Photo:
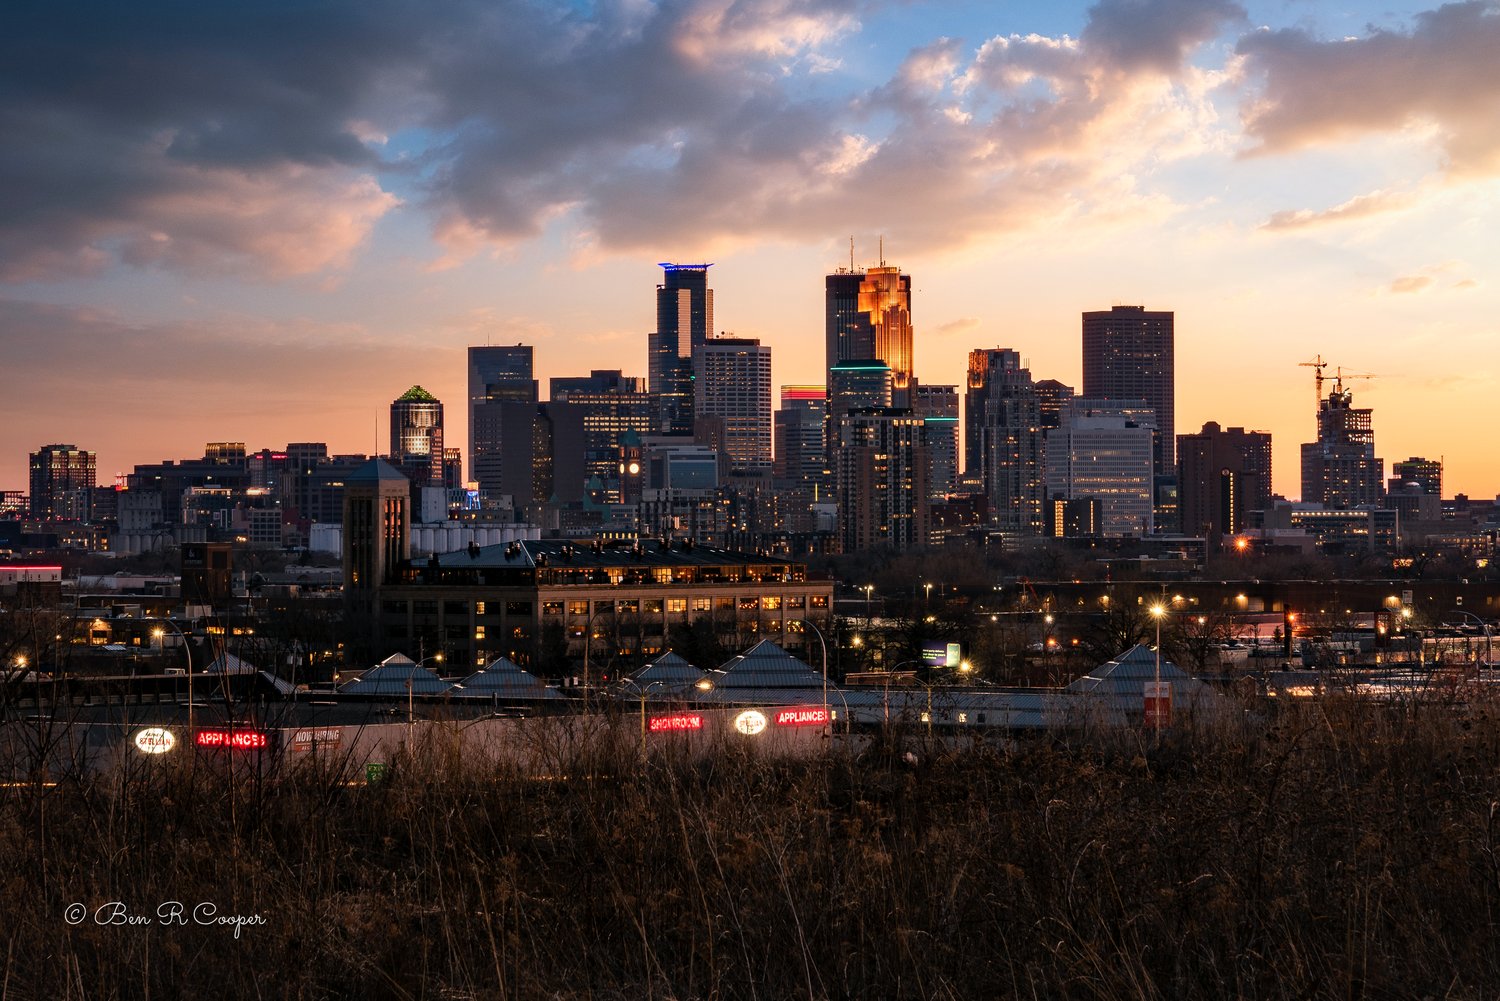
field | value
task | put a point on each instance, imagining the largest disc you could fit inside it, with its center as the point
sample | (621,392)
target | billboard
(936,653)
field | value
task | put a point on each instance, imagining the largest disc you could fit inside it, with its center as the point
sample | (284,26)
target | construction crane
(1317,365)
(1340,375)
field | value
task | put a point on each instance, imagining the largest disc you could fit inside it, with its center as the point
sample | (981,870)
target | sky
(264,222)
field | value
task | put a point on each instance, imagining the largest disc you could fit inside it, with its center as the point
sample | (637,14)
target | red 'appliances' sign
(802,717)
(677,721)
(239,740)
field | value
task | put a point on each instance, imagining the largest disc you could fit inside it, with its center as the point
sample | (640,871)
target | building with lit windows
(684,319)
(1129,354)
(546,604)
(881,465)
(610,406)
(867,316)
(417,435)
(62,476)
(1223,475)
(1104,451)
(1340,469)
(799,434)
(938,405)
(732,386)
(497,374)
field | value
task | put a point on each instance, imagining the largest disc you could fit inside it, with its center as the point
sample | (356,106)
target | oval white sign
(154,740)
(750,722)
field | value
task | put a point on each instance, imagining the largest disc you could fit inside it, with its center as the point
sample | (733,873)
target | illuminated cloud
(1410,283)
(1440,74)
(1359,207)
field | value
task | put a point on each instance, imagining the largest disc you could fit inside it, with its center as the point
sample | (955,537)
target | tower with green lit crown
(417,436)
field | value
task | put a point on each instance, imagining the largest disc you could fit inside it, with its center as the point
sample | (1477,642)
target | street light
(187,651)
(410,708)
(1158,612)
(645,690)
(868,588)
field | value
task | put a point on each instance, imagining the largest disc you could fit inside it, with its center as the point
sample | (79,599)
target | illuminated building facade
(611,405)
(417,435)
(1104,450)
(881,466)
(545,604)
(868,316)
(732,385)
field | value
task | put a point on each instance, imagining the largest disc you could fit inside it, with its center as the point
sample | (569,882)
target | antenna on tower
(882,250)
(851,253)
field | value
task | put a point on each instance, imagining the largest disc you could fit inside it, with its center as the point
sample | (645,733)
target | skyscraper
(612,405)
(417,436)
(1222,475)
(938,405)
(1425,473)
(1340,469)
(684,318)
(732,383)
(1128,354)
(868,315)
(799,432)
(497,374)
(881,466)
(1104,450)
(61,478)
(1004,418)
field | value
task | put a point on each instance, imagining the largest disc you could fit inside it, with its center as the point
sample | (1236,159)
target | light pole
(187,651)
(868,588)
(645,690)
(824,647)
(410,706)
(1158,612)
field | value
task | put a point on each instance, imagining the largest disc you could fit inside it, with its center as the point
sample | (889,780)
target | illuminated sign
(802,716)
(677,721)
(942,654)
(750,722)
(239,740)
(154,740)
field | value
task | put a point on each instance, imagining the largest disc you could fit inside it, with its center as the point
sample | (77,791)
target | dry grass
(1337,850)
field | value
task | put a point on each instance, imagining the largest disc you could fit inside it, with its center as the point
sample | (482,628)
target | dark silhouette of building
(1427,474)
(611,406)
(62,476)
(1005,430)
(497,374)
(684,319)
(1340,469)
(1128,354)
(881,464)
(1222,474)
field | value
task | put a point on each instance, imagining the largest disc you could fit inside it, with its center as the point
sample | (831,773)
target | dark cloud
(249,136)
(1443,71)
(1155,35)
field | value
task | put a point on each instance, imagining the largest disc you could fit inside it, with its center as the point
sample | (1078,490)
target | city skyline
(234,266)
